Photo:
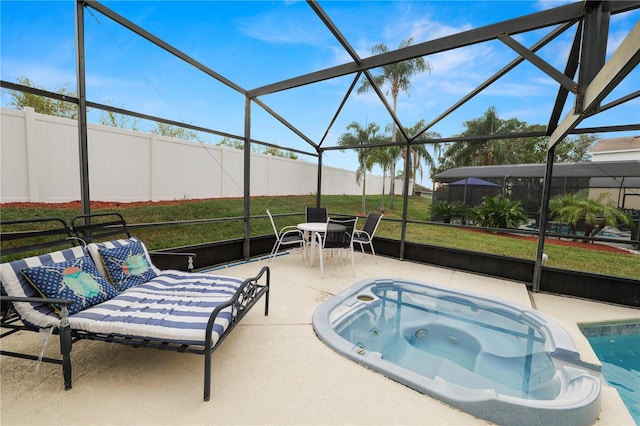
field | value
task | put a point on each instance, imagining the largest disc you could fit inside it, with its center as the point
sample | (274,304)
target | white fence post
(152,143)
(32,154)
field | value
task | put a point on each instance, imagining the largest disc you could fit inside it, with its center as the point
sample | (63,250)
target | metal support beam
(619,101)
(594,42)
(547,68)
(522,24)
(162,44)
(544,218)
(388,107)
(547,18)
(83,144)
(285,122)
(334,30)
(123,111)
(319,190)
(337,113)
(495,77)
(621,63)
(405,199)
(246,249)
(570,71)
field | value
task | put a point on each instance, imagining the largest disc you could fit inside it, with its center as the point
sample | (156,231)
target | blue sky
(254,43)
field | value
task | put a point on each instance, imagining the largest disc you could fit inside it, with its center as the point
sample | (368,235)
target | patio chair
(316,214)
(365,236)
(339,235)
(289,235)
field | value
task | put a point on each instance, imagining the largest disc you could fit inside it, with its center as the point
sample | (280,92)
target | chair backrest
(273,224)
(371,224)
(339,238)
(31,235)
(99,226)
(316,214)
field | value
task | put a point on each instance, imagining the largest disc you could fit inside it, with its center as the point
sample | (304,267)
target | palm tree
(491,150)
(397,77)
(358,135)
(477,153)
(420,153)
(385,156)
(597,214)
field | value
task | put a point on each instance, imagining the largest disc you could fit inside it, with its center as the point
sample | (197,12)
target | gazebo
(524,182)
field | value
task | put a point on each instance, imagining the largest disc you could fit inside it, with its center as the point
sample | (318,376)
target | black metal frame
(596,80)
(248,294)
(100,226)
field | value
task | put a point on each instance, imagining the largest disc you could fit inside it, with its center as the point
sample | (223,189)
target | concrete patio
(271,370)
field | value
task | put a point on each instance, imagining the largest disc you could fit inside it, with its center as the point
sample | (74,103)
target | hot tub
(491,358)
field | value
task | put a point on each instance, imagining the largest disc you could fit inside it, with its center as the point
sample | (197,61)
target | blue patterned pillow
(76,279)
(126,266)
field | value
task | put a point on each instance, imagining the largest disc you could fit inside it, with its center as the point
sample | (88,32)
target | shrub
(499,212)
(446,210)
(596,213)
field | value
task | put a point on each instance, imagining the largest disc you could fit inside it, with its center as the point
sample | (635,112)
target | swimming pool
(617,346)
(491,358)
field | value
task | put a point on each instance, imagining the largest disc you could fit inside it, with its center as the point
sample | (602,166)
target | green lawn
(573,258)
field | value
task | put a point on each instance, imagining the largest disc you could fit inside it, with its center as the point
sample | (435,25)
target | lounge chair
(111,291)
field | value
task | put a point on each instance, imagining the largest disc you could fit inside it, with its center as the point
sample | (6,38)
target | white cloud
(454,61)
(282,28)
(531,88)
(41,74)
(427,29)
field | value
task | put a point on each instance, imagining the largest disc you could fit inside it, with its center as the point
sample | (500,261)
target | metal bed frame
(32,236)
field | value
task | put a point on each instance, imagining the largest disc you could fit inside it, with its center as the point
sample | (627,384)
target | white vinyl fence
(40,163)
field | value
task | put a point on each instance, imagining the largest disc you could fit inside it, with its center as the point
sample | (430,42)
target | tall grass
(583,258)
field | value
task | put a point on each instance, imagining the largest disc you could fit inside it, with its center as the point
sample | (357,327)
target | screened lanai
(588,82)
(524,182)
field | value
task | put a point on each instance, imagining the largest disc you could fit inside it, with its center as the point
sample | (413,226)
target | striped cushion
(40,315)
(173,307)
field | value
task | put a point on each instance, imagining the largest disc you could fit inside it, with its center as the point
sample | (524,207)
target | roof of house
(629,168)
(617,144)
(420,188)
(603,174)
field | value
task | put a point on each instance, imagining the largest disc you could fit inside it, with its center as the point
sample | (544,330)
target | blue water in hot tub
(489,357)
(459,341)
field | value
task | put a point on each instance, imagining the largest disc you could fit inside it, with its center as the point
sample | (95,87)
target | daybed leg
(266,303)
(266,294)
(65,350)
(207,373)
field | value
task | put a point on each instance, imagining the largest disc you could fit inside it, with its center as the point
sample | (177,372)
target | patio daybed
(111,291)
